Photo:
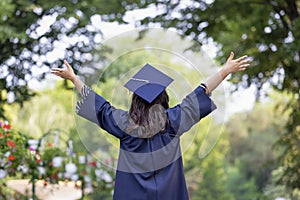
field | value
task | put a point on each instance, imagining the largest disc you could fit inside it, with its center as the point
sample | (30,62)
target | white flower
(81,159)
(3,173)
(98,172)
(33,143)
(98,164)
(2,162)
(106,177)
(23,168)
(70,168)
(7,154)
(42,170)
(67,175)
(87,179)
(89,188)
(103,175)
(60,175)
(57,161)
(74,177)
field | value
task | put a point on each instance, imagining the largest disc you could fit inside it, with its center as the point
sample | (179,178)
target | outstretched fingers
(239,64)
(58,71)
(67,64)
(55,69)
(243,65)
(66,73)
(241,58)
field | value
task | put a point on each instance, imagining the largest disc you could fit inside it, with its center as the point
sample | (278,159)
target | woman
(150,164)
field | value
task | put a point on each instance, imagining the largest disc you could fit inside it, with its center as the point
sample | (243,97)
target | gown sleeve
(191,110)
(95,108)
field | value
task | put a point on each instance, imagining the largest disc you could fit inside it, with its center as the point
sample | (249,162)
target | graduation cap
(148,83)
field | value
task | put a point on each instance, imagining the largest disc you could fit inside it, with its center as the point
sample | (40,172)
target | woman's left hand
(239,64)
(66,73)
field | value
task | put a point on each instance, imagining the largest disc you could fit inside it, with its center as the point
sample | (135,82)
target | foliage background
(259,153)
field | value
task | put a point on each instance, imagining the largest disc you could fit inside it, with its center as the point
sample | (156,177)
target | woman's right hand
(66,73)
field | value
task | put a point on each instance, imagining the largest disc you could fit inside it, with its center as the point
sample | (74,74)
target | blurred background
(257,150)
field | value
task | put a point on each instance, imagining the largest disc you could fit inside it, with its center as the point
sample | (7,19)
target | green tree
(207,177)
(252,156)
(30,32)
(242,187)
(46,111)
(268,31)
(274,190)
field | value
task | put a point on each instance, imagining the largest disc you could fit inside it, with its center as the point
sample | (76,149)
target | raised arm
(198,104)
(94,107)
(230,66)
(68,73)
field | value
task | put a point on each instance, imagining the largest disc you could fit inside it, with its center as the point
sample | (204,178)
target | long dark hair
(147,119)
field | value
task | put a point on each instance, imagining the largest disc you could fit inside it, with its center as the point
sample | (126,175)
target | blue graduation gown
(148,168)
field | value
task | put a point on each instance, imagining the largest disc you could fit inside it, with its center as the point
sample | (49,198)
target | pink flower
(31,148)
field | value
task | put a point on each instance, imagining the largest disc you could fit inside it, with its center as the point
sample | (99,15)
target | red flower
(83,173)
(11,157)
(10,143)
(6,126)
(93,163)
(1,135)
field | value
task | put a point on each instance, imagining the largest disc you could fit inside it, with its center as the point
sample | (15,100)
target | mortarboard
(148,83)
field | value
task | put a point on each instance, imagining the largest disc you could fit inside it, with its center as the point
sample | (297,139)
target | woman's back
(148,168)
